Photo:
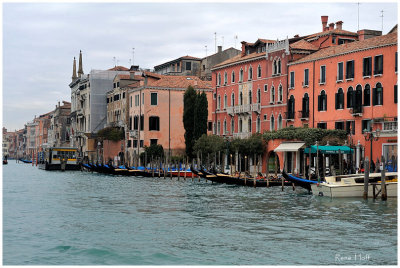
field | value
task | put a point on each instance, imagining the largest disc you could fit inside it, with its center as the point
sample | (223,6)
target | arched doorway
(271,163)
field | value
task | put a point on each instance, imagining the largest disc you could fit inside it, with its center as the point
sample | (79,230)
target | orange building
(156,112)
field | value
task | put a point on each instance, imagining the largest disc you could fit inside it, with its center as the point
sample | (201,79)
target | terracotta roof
(177,60)
(266,40)
(119,68)
(134,84)
(389,39)
(334,31)
(172,81)
(303,45)
(124,76)
(239,58)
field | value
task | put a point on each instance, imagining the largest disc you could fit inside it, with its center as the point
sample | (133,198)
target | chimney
(339,25)
(243,48)
(219,49)
(331,26)
(324,20)
(296,35)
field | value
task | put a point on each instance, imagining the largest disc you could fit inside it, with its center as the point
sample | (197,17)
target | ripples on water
(69,218)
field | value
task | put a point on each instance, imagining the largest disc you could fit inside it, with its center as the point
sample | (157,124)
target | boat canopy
(328,149)
(289,147)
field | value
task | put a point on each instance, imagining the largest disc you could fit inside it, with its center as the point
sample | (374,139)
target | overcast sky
(40,40)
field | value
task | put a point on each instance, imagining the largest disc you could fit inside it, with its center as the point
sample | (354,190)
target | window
(378,65)
(249,125)
(232,125)
(357,100)
(108,100)
(154,98)
(233,76)
(272,123)
(322,101)
(333,39)
(280,93)
(279,66)
(154,123)
(250,97)
(367,95)
(233,99)
(351,127)
(250,73)
(367,66)
(305,77)
(219,102)
(117,84)
(134,143)
(272,97)
(141,122)
(279,121)
(130,101)
(340,72)
(153,141)
(321,125)
(142,98)
(290,108)
(137,100)
(350,97)
(225,101)
(225,127)
(209,126)
(225,78)
(350,69)
(395,62)
(258,95)
(305,106)
(366,125)
(135,122)
(258,125)
(129,143)
(339,125)
(265,88)
(241,98)
(219,79)
(322,75)
(219,128)
(265,117)
(188,66)
(339,99)
(395,94)
(130,122)
(275,67)
(240,125)
(292,79)
(141,143)
(241,75)
(259,71)
(377,95)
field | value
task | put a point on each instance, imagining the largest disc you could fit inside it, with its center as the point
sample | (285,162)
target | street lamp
(369,136)
(98,151)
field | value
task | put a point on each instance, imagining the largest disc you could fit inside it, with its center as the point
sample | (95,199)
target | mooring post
(191,171)
(179,170)
(340,163)
(152,166)
(366,177)
(159,167)
(186,163)
(383,179)
(170,168)
(164,167)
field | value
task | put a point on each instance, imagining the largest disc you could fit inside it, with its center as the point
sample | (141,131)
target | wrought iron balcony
(356,111)
(304,115)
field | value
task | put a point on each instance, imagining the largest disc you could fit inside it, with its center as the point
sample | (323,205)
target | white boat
(353,185)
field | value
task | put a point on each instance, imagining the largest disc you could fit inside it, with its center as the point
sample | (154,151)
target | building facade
(186,65)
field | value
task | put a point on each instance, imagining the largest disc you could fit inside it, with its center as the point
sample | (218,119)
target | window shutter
(369,66)
(319,102)
(336,101)
(374,96)
(382,67)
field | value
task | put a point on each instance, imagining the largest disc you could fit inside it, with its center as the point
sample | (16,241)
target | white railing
(256,107)
(240,109)
(389,126)
(241,135)
(229,110)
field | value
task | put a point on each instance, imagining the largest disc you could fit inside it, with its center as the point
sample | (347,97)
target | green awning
(329,149)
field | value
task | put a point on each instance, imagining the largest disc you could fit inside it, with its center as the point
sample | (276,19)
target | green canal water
(80,218)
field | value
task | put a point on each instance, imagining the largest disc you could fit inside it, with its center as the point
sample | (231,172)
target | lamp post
(98,152)
(369,136)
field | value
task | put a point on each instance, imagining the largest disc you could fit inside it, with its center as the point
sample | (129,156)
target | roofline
(238,62)
(341,54)
(178,59)
(166,88)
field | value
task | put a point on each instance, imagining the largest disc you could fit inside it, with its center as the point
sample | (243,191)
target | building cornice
(166,88)
(262,56)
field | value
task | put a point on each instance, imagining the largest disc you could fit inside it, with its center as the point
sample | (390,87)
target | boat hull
(335,191)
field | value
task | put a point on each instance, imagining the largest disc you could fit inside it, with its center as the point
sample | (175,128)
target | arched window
(225,101)
(232,125)
(305,106)
(258,124)
(377,95)
(272,97)
(290,106)
(225,127)
(322,101)
(279,122)
(272,123)
(249,124)
(219,102)
(233,99)
(275,67)
(250,73)
(241,98)
(280,93)
(279,66)
(233,76)
(259,71)
(219,128)
(350,97)
(241,75)
(357,105)
(240,125)
(258,95)
(367,95)
(225,78)
(339,99)
(219,79)
(250,97)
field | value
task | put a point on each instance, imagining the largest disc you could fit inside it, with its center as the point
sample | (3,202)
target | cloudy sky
(40,40)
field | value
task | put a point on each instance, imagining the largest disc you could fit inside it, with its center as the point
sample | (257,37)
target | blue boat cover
(300,179)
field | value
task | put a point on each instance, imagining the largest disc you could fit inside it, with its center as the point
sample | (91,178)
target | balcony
(356,111)
(229,110)
(389,126)
(256,107)
(241,109)
(133,134)
(304,115)
(289,116)
(241,135)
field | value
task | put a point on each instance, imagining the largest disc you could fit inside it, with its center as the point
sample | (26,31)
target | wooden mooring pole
(366,178)
(383,179)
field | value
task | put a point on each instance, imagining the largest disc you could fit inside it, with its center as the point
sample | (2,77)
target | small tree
(189,102)
(209,144)
(111,133)
(200,115)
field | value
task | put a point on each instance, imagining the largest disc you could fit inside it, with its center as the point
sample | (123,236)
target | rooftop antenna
(382,19)
(236,38)
(115,61)
(130,62)
(133,56)
(206,50)
(215,37)
(358,16)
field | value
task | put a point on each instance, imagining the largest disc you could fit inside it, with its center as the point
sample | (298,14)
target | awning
(289,147)
(329,149)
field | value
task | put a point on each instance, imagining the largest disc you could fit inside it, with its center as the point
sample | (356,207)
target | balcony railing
(389,126)
(356,111)
(242,135)
(256,107)
(229,110)
(240,109)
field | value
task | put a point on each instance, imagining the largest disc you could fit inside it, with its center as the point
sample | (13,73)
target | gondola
(304,183)
(25,161)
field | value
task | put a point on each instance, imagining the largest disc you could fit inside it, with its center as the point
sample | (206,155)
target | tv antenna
(382,19)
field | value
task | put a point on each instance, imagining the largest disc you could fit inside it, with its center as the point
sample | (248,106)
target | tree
(189,102)
(200,115)
(154,150)
(111,133)
(209,144)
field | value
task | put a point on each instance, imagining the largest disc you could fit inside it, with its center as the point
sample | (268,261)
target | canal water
(82,218)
